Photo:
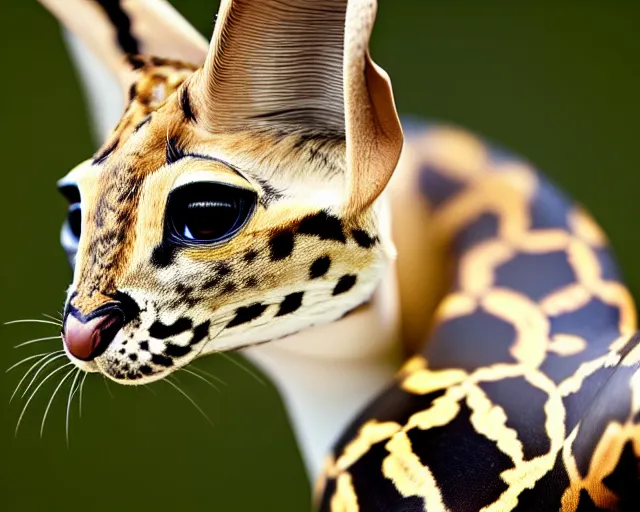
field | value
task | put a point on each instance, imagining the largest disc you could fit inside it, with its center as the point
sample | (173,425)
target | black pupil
(208,212)
(74,217)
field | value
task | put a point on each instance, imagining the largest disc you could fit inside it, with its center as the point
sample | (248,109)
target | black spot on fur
(144,345)
(223,269)
(183,289)
(251,282)
(100,158)
(133,91)
(161,331)
(146,370)
(281,245)
(161,360)
(324,226)
(133,357)
(246,314)
(121,351)
(185,105)
(362,238)
(291,303)
(228,288)
(173,350)
(250,256)
(121,22)
(320,267)
(163,255)
(200,332)
(345,284)
(211,283)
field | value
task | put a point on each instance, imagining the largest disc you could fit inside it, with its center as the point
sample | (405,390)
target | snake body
(526,395)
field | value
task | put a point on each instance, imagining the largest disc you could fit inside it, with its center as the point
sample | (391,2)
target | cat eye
(74,218)
(74,213)
(207,212)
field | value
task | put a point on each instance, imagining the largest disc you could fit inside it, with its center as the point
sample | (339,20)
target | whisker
(24,409)
(202,379)
(53,395)
(72,393)
(205,372)
(27,359)
(80,397)
(42,367)
(243,367)
(38,340)
(106,385)
(26,374)
(57,320)
(179,390)
(149,389)
(33,321)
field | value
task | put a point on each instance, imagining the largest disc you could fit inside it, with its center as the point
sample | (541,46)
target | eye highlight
(207,212)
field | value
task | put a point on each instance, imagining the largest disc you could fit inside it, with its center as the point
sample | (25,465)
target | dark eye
(74,218)
(207,212)
(74,214)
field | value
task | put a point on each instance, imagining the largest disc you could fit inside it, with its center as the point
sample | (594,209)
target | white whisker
(33,321)
(26,374)
(150,390)
(38,340)
(57,320)
(106,385)
(42,367)
(202,379)
(27,359)
(72,393)
(177,388)
(53,395)
(205,372)
(80,397)
(24,409)
(243,367)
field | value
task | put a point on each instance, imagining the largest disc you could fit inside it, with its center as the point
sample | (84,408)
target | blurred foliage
(556,83)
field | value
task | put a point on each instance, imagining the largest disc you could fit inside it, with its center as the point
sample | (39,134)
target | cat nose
(86,340)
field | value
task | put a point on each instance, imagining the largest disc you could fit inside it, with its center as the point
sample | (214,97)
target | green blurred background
(557,83)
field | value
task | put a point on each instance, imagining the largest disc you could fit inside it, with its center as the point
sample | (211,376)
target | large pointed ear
(303,67)
(113,29)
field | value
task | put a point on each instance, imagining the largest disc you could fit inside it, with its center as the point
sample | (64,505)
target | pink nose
(87,340)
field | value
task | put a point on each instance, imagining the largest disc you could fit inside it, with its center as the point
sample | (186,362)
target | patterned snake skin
(527,395)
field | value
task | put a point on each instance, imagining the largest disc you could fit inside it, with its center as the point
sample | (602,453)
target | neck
(327,373)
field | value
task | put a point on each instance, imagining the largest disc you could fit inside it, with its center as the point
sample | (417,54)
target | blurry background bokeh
(556,82)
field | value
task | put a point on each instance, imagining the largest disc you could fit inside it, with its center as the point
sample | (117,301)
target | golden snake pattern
(527,394)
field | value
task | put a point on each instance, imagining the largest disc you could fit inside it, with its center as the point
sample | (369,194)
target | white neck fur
(328,373)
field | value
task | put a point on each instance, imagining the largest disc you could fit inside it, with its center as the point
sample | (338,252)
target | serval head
(236,201)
